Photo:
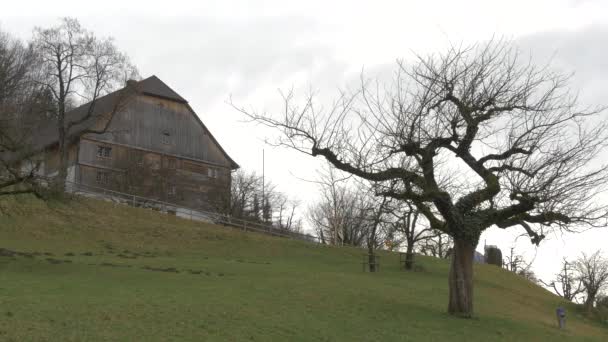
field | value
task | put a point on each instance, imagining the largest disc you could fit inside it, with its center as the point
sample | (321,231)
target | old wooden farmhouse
(155,146)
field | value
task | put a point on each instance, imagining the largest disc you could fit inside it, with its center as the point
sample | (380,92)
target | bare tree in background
(77,68)
(286,214)
(244,188)
(509,132)
(22,105)
(518,264)
(566,284)
(439,245)
(376,210)
(251,200)
(339,216)
(413,229)
(592,271)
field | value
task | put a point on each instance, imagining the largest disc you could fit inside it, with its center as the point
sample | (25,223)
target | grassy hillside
(94,271)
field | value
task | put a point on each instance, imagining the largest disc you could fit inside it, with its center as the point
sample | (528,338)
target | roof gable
(46,133)
(153,86)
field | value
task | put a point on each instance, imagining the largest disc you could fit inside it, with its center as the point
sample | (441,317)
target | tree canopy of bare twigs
(342,215)
(76,68)
(251,199)
(438,245)
(518,264)
(592,272)
(408,223)
(22,104)
(566,283)
(475,137)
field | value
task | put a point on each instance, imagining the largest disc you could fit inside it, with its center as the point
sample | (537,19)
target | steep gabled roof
(46,134)
(153,86)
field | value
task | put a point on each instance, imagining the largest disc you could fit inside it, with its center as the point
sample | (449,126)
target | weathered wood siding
(155,175)
(166,126)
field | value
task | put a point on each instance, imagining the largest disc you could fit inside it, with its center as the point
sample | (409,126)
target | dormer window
(166,138)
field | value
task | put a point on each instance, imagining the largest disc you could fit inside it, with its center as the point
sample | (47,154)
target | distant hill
(93,271)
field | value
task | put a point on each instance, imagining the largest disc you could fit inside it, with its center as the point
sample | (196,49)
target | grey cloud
(582,52)
(217,57)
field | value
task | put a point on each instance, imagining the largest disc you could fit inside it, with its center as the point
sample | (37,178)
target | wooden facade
(155,147)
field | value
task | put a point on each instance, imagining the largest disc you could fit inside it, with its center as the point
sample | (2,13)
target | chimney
(131,83)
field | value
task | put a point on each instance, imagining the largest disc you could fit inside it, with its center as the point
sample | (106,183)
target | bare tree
(566,284)
(253,200)
(510,133)
(414,230)
(592,271)
(244,188)
(516,263)
(439,245)
(375,211)
(22,106)
(340,216)
(78,68)
(286,214)
(350,213)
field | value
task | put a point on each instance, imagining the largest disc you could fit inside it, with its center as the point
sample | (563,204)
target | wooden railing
(185,212)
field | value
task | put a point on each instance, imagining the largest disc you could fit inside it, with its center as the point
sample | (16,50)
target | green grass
(234,286)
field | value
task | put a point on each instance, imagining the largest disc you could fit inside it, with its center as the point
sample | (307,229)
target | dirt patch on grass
(160,269)
(58,261)
(253,262)
(109,264)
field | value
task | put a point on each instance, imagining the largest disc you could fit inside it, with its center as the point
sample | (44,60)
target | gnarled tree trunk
(461,279)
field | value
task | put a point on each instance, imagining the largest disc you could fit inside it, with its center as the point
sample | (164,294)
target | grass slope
(94,271)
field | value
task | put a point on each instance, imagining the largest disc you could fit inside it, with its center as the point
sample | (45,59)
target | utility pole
(263,188)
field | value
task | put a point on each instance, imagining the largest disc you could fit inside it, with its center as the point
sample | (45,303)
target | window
(213,172)
(165,138)
(171,163)
(104,151)
(103,177)
(171,190)
(139,159)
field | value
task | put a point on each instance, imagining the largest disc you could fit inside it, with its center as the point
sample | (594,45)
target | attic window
(165,138)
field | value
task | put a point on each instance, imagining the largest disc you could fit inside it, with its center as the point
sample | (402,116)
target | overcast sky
(210,50)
